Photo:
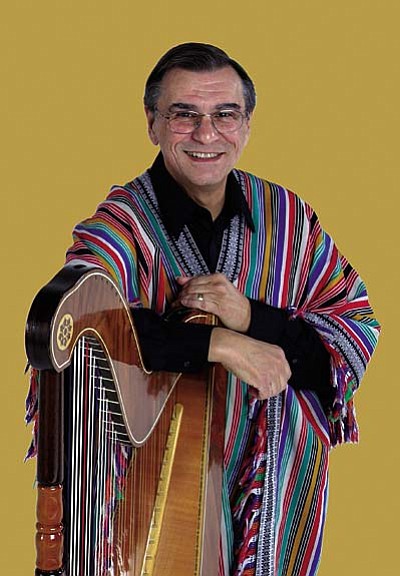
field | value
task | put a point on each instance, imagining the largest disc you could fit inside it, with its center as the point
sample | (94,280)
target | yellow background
(326,125)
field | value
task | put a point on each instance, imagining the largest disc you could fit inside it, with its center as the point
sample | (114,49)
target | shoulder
(272,195)
(134,199)
(132,191)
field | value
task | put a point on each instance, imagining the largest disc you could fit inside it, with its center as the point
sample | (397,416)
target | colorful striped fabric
(278,496)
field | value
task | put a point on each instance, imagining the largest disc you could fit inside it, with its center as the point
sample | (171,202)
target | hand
(261,365)
(220,297)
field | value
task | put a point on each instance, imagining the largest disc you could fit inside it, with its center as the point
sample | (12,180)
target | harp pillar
(49,510)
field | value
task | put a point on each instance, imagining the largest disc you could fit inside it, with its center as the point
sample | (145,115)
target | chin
(208,174)
(207,181)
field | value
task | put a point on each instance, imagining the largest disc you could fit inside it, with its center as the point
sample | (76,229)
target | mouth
(203,156)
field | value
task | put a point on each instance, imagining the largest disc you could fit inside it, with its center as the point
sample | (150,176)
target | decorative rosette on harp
(65,331)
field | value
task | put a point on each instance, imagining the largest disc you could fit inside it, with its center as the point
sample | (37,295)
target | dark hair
(199,57)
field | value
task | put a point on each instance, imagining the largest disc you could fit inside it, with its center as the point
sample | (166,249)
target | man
(296,328)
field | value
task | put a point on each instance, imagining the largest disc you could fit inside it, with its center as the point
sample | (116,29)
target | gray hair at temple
(196,57)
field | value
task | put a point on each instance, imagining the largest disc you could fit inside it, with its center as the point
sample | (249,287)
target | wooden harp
(98,407)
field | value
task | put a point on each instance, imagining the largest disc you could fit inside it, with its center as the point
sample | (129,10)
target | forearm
(261,365)
(171,346)
(307,356)
(178,347)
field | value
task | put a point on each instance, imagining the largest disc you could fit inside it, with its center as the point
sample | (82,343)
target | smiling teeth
(203,154)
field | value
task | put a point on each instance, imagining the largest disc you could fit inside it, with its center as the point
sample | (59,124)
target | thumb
(182,280)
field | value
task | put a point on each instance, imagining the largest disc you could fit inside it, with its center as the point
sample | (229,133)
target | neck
(209,196)
(212,199)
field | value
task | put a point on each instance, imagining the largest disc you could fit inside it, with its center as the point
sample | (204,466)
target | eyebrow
(185,106)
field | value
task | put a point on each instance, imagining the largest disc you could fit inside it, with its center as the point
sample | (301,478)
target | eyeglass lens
(224,121)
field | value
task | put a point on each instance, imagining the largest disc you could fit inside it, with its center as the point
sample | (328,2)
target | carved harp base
(39,572)
(49,531)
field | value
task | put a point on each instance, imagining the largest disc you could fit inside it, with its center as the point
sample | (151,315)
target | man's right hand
(261,365)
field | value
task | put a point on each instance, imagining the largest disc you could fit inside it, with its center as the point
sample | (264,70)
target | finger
(201,295)
(192,291)
(205,285)
(196,282)
(182,280)
(206,279)
(201,301)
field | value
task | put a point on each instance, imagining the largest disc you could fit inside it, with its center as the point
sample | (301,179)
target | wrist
(219,344)
(241,319)
(247,318)
(225,346)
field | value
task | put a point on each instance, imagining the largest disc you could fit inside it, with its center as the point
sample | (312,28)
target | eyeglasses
(187,121)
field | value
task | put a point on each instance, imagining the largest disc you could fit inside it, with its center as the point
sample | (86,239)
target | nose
(205,131)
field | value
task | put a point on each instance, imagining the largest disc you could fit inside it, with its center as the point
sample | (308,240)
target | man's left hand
(217,295)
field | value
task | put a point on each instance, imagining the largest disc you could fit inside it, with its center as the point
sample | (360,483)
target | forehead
(208,88)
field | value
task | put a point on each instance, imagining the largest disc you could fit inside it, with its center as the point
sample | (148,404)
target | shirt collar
(171,195)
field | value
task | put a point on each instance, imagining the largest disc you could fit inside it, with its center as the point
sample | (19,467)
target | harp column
(49,529)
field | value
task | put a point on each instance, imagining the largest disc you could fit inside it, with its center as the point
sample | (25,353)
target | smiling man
(201,124)
(296,329)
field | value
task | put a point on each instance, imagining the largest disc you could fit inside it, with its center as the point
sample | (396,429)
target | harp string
(91,471)
(110,486)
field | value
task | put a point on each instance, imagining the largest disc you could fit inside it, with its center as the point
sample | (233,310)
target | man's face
(199,161)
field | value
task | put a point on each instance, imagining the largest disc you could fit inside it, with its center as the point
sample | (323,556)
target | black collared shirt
(178,209)
(178,347)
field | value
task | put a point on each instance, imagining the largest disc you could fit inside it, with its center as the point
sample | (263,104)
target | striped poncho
(273,523)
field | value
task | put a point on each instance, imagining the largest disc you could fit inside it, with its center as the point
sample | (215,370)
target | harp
(129,463)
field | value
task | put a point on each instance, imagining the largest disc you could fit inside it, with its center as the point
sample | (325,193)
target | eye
(226,114)
(185,114)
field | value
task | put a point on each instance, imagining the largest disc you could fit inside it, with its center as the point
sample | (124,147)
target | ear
(247,122)
(248,119)
(150,125)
